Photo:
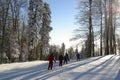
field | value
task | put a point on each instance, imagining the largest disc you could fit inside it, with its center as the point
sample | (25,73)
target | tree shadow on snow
(14,73)
(64,69)
(118,76)
(98,69)
(41,72)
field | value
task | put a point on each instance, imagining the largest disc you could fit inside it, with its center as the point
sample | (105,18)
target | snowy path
(97,68)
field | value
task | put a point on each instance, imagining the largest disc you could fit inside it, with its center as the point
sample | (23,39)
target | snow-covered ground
(96,68)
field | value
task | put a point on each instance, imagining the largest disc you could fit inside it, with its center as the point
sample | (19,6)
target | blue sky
(63,20)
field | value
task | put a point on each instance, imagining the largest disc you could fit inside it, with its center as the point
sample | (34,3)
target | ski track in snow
(96,68)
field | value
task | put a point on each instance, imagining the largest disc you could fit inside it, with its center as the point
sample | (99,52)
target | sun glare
(118,10)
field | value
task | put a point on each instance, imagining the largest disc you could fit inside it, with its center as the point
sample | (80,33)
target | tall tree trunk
(15,8)
(111,27)
(92,36)
(101,28)
(106,30)
(5,15)
(114,37)
(90,29)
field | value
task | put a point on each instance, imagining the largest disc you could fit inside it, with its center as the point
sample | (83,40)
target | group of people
(62,60)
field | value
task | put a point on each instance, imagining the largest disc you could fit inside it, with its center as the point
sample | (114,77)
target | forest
(25,28)
(99,27)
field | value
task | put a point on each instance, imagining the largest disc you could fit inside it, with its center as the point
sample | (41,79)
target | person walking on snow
(78,56)
(65,58)
(51,59)
(60,60)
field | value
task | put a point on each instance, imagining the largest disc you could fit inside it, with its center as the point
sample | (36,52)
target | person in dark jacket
(51,59)
(60,60)
(65,58)
(78,56)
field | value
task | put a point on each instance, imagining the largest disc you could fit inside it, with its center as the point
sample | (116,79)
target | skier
(51,59)
(78,56)
(60,60)
(65,58)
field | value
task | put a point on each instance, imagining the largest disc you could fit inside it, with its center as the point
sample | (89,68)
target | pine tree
(62,51)
(45,29)
(35,11)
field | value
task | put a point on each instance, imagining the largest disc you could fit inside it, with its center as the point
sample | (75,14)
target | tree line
(24,30)
(98,30)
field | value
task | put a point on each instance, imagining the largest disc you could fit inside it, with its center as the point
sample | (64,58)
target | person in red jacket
(51,59)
